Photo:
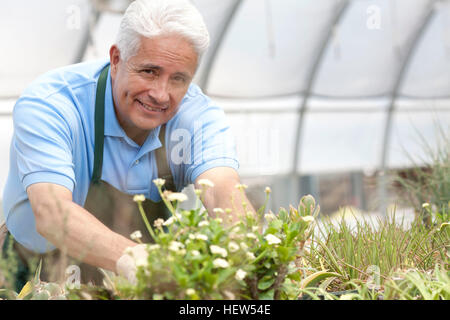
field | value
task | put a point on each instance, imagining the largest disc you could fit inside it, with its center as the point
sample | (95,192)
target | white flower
(271,239)
(240,274)
(250,255)
(203,223)
(198,192)
(159,182)
(244,246)
(308,218)
(195,253)
(251,235)
(169,221)
(205,183)
(139,198)
(255,228)
(218,250)
(175,246)
(141,262)
(425,205)
(219,220)
(190,292)
(136,235)
(218,210)
(269,217)
(235,229)
(158,223)
(233,246)
(191,236)
(250,214)
(221,263)
(200,236)
(154,247)
(177,196)
(268,190)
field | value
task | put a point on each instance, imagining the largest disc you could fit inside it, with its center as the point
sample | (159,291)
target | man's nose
(160,92)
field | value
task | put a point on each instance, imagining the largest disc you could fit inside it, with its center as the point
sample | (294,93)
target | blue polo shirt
(53,142)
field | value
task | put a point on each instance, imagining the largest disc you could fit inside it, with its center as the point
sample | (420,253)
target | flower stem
(147,224)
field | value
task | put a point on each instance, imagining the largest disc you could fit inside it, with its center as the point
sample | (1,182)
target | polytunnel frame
(303,108)
(429,15)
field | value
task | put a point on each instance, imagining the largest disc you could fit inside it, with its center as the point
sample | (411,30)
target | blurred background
(327,97)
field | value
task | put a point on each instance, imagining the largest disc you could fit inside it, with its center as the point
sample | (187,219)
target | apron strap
(99,125)
(162,164)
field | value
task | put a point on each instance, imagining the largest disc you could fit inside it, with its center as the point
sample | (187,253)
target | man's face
(148,88)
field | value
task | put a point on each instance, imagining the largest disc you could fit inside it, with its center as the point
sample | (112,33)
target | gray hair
(152,18)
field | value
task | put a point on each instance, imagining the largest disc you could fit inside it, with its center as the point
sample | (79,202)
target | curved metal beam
(209,60)
(87,37)
(428,17)
(311,79)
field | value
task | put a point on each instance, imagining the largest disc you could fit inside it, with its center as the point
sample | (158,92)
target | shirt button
(136,162)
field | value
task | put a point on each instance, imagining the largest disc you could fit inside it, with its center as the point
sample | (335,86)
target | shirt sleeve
(43,141)
(201,140)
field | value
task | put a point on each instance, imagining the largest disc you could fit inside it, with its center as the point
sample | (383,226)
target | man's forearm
(77,232)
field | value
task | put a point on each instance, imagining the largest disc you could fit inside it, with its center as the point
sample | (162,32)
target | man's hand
(133,257)
(224,194)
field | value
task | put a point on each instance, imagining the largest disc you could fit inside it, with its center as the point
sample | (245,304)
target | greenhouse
(340,117)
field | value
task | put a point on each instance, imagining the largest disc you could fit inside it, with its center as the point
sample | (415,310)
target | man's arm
(224,194)
(70,227)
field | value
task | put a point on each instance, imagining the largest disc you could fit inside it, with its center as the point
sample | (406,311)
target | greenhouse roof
(309,86)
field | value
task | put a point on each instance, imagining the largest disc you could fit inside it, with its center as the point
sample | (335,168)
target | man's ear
(114,58)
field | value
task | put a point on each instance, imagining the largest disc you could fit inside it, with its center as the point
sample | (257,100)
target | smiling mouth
(147,107)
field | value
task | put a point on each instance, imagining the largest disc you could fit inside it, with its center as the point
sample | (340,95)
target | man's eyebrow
(150,66)
(156,67)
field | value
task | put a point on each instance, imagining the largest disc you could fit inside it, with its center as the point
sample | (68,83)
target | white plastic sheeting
(317,75)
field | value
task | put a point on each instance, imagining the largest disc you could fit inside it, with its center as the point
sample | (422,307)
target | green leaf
(26,290)
(307,205)
(317,277)
(285,253)
(283,214)
(267,295)
(265,283)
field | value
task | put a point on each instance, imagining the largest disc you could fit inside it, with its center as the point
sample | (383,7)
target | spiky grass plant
(373,252)
(429,183)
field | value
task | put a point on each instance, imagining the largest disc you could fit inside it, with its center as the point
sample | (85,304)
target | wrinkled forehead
(166,52)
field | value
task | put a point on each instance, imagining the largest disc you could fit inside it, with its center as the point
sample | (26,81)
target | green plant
(419,285)
(202,257)
(36,289)
(429,183)
(370,252)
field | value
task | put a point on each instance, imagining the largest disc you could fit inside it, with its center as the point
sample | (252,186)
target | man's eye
(179,79)
(149,71)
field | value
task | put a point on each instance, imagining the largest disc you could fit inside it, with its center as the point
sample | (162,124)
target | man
(87,135)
